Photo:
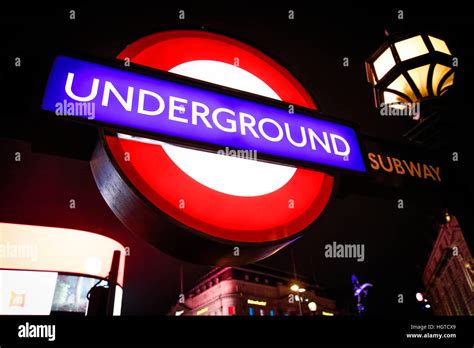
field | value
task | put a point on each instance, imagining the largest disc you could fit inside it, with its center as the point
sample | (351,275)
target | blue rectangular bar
(121,98)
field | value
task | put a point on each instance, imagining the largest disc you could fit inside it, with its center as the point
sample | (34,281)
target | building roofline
(261,270)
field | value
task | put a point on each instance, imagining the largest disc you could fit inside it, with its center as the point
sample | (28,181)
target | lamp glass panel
(394,100)
(449,81)
(420,77)
(439,45)
(401,85)
(410,48)
(384,63)
(438,73)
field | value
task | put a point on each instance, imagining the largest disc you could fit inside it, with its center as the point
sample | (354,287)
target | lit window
(246,277)
(262,312)
(251,311)
(272,313)
(257,279)
(266,281)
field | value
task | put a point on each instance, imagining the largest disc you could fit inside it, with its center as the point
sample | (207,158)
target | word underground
(223,119)
(163,107)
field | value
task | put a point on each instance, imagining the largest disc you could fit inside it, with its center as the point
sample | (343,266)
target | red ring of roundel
(269,217)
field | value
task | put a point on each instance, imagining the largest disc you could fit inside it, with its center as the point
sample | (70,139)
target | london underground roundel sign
(200,206)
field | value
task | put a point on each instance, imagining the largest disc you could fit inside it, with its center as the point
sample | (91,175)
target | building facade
(449,274)
(253,291)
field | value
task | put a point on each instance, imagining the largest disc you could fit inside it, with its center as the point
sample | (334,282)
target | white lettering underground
(223,119)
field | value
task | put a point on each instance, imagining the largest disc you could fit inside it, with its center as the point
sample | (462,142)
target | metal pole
(299,302)
(113,275)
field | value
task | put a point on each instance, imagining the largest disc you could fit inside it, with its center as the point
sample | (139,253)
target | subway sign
(414,169)
(170,108)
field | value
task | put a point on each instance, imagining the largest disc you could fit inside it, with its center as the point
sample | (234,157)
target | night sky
(55,166)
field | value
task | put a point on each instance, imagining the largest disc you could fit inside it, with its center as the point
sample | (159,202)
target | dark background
(55,168)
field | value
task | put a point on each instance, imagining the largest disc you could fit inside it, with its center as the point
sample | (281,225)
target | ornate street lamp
(407,70)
